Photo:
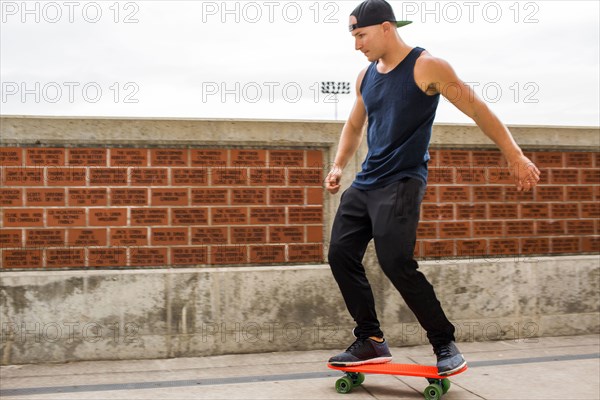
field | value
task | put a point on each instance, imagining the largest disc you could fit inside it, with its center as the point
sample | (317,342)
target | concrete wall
(91,314)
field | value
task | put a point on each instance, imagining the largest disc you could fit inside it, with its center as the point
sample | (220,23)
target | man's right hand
(332,181)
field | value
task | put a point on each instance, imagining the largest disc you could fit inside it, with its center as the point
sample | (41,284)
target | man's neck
(397,52)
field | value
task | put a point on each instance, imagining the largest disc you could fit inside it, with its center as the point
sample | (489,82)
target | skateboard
(355,376)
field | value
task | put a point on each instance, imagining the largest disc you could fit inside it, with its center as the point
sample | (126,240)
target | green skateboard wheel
(433,392)
(343,385)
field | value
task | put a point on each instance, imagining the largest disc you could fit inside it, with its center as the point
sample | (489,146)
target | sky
(533,62)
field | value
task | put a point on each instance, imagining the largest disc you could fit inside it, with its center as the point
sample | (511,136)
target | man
(398,93)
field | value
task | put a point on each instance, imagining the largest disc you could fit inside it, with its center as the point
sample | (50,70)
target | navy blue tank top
(400,118)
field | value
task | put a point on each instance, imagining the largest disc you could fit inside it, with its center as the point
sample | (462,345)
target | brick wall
(150,207)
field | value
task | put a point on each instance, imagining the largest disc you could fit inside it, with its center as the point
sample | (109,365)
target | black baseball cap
(374,12)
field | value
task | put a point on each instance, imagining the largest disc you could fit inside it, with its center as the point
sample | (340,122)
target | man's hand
(525,173)
(332,182)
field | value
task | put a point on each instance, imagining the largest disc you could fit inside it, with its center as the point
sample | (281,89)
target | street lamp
(335,88)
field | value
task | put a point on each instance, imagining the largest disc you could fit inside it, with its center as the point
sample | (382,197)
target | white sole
(453,370)
(379,360)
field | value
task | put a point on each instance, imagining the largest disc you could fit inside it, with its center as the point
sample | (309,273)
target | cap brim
(402,23)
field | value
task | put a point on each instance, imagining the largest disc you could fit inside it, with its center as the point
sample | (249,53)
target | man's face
(368,39)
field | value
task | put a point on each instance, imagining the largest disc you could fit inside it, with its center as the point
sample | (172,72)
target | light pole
(335,88)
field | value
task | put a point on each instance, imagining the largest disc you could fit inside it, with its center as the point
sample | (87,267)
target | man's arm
(440,77)
(350,139)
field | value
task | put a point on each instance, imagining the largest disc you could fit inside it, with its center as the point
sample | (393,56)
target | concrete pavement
(537,368)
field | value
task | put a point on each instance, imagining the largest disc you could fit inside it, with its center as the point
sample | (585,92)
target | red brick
(169,157)
(88,197)
(447,158)
(471,211)
(298,253)
(129,157)
(590,210)
(170,197)
(286,196)
(535,245)
(305,177)
(229,255)
(519,228)
(169,236)
(149,177)
(286,158)
(511,194)
(45,237)
(590,244)
(503,211)
(23,217)
(120,237)
(590,176)
(314,159)
(454,230)
(65,258)
(11,156)
(427,230)
(565,245)
(66,176)
(564,210)
(596,190)
(229,176)
(441,176)
(189,216)
(189,176)
(19,176)
(487,193)
(450,194)
(208,235)
(534,210)
(108,217)
(229,216)
(248,234)
(85,157)
(44,156)
(129,197)
(504,246)
(437,212)
(286,234)
(470,175)
(433,157)
(108,176)
(148,257)
(305,215)
(267,216)
(107,257)
(86,237)
(249,158)
(431,194)
(314,234)
(438,248)
(544,159)
(550,228)
(471,248)
(189,255)
(267,254)
(485,158)
(314,196)
(500,176)
(569,176)
(208,158)
(550,193)
(210,197)
(579,193)
(580,227)
(11,197)
(488,228)
(149,216)
(267,176)
(248,196)
(579,160)
(10,238)
(22,258)
(66,217)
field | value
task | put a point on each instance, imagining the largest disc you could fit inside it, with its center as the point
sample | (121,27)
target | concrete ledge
(58,316)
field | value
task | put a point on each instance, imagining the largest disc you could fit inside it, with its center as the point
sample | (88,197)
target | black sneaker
(449,359)
(363,351)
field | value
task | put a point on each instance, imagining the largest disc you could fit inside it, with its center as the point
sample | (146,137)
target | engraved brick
(487,228)
(267,254)
(535,210)
(149,216)
(65,258)
(314,159)
(66,217)
(189,216)
(19,176)
(129,197)
(550,228)
(248,235)
(431,194)
(550,193)
(286,234)
(169,157)
(548,159)
(107,257)
(453,194)
(590,244)
(431,212)
(229,216)
(44,156)
(519,228)
(86,237)
(454,230)
(209,197)
(562,176)
(11,197)
(23,217)
(441,175)
(208,158)
(499,176)
(581,227)
(286,158)
(11,156)
(579,160)
(298,253)
(88,157)
(170,197)
(248,196)
(229,255)
(10,238)
(487,193)
(579,193)
(471,248)
(169,236)
(564,210)
(596,157)
(88,197)
(564,245)
(471,211)
(590,210)
(44,237)
(189,176)
(470,175)
(511,194)
(128,237)
(209,235)
(305,177)
(22,258)
(305,215)
(248,158)
(108,217)
(491,158)
(108,176)
(454,158)
(427,230)
(286,196)
(267,216)
(267,176)
(149,177)
(129,157)
(314,196)
(189,255)
(314,234)
(590,176)
(504,246)
(148,257)
(438,248)
(503,211)
(66,176)
(229,176)
(535,245)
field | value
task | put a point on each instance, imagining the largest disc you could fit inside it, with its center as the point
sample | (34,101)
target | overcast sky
(535,62)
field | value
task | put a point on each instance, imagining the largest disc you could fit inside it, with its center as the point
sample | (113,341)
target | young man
(398,94)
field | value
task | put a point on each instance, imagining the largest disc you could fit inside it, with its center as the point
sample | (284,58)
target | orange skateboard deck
(354,376)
